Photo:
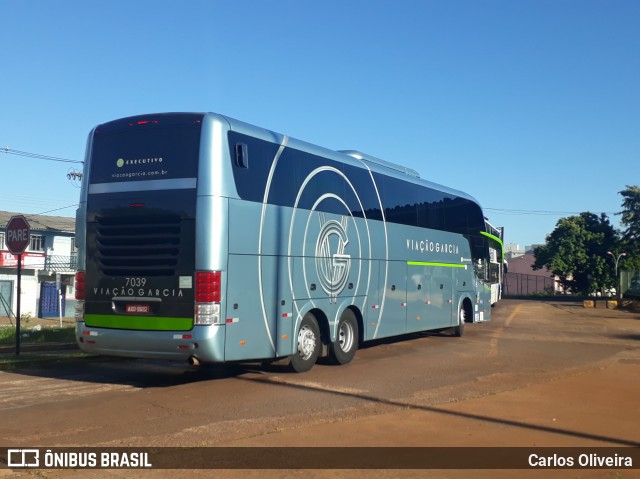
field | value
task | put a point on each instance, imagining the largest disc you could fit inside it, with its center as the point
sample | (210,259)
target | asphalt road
(539,374)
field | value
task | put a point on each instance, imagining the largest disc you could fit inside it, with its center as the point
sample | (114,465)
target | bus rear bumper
(206,343)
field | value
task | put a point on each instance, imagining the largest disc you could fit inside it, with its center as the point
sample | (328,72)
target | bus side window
(242,155)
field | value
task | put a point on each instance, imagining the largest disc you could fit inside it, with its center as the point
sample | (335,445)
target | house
(522,279)
(48,268)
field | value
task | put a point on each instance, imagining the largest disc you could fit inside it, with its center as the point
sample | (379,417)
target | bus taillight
(208,285)
(80,284)
(207,294)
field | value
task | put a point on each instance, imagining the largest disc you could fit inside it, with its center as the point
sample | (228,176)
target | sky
(531,107)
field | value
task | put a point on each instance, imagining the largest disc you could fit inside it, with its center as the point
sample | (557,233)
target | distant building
(48,268)
(523,264)
(522,279)
(513,250)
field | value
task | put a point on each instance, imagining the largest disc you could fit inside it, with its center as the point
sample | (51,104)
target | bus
(206,239)
(497,265)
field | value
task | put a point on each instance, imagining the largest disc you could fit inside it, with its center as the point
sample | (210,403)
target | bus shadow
(635,337)
(137,373)
(437,333)
(148,373)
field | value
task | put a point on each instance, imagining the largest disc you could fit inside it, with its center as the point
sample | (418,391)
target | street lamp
(616,258)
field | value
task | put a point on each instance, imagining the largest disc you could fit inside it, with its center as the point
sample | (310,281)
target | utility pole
(616,258)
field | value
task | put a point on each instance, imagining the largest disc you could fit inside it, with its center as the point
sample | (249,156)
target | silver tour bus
(205,239)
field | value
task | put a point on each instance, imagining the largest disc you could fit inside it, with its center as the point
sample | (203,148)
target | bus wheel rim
(345,337)
(306,342)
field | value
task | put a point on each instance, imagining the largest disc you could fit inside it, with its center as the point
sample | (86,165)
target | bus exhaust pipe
(194,361)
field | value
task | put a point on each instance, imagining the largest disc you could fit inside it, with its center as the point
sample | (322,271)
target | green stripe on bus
(494,238)
(427,263)
(140,323)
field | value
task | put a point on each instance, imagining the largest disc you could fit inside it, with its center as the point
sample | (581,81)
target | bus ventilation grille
(138,246)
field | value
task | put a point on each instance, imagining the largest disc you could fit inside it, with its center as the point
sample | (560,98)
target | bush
(66,334)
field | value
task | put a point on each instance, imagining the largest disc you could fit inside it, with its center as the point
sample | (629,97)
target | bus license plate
(138,308)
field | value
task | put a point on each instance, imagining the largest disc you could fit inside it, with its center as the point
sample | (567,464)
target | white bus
(497,262)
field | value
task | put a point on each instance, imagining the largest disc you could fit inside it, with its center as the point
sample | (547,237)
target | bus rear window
(146,148)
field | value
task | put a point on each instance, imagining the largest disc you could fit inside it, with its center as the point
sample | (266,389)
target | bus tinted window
(430,211)
(364,204)
(302,178)
(314,178)
(251,181)
(400,200)
(149,148)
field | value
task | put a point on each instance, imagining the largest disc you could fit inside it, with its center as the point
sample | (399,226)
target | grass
(65,334)
(10,361)
(56,335)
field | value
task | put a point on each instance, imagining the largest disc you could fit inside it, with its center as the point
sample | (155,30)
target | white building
(48,268)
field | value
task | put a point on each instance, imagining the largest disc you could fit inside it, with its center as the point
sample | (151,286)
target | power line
(75,205)
(75,175)
(31,218)
(37,156)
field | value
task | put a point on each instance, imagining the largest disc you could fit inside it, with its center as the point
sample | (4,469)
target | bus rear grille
(138,246)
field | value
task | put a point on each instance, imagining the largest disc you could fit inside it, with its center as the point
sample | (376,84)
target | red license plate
(138,308)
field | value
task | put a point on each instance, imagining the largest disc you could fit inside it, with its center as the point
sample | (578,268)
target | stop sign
(18,234)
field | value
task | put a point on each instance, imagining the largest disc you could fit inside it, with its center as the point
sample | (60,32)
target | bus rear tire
(307,346)
(343,349)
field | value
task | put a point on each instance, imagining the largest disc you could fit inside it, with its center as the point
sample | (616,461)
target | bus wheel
(458,331)
(307,345)
(344,348)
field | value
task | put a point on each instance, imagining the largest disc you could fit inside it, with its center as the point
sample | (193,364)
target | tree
(576,252)
(631,220)
(631,213)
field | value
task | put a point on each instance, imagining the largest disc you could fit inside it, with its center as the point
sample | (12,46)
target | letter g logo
(331,263)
